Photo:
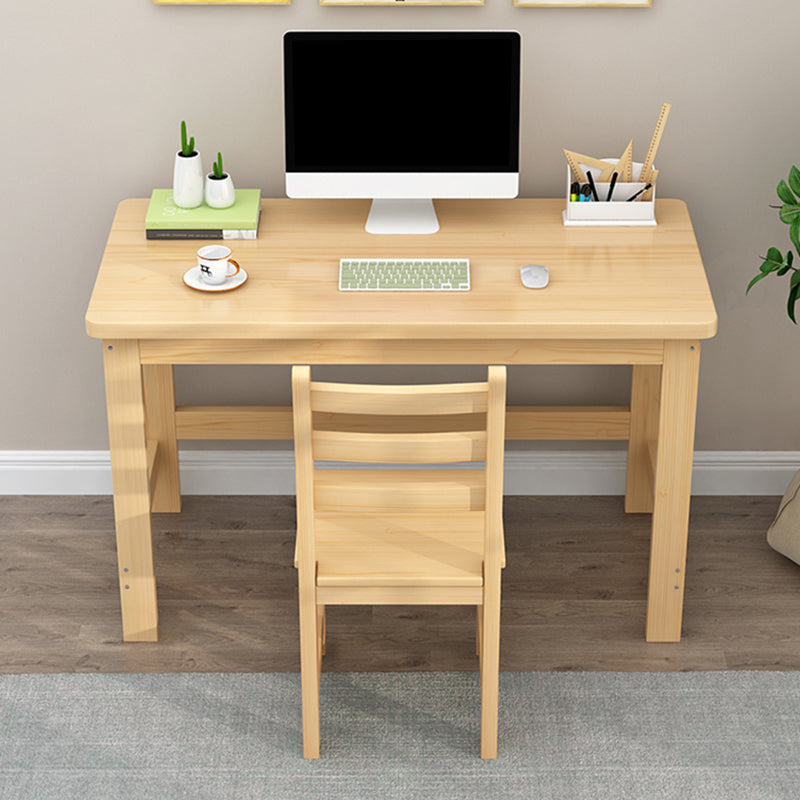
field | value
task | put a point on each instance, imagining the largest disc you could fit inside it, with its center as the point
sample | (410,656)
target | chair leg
(309,671)
(478,631)
(321,629)
(490,672)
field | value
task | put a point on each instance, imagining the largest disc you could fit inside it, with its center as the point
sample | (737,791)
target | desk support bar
(554,423)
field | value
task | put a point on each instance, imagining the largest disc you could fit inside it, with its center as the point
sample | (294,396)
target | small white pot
(219,191)
(187,181)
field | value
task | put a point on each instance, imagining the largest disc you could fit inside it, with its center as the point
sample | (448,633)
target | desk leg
(126,433)
(672,490)
(643,438)
(159,398)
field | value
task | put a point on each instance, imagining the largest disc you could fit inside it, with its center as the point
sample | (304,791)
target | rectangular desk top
(605,283)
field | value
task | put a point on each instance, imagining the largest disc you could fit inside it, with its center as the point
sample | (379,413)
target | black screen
(402,102)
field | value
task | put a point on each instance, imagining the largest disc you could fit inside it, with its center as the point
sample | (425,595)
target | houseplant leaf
(789,213)
(794,180)
(794,291)
(794,233)
(785,193)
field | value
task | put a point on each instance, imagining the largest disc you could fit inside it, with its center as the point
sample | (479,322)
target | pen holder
(616,212)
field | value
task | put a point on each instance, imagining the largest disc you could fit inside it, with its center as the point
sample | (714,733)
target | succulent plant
(218,171)
(187,147)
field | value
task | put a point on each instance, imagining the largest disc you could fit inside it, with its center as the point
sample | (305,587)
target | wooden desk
(634,296)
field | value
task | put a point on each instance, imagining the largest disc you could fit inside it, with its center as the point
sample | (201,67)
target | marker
(591,183)
(586,192)
(573,192)
(611,188)
(633,197)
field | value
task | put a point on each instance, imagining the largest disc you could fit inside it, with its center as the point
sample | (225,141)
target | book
(165,220)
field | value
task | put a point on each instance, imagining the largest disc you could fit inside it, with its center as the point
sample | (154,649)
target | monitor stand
(402,216)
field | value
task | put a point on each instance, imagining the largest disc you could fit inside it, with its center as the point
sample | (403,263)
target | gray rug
(570,736)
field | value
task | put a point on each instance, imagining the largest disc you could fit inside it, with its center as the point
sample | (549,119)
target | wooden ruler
(576,159)
(647,168)
(625,164)
(648,195)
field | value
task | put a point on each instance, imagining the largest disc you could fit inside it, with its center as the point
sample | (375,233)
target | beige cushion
(784,533)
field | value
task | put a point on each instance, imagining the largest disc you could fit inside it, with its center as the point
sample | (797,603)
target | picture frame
(584,3)
(401,2)
(222,2)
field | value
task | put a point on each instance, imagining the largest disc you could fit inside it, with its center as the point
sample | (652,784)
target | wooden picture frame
(584,3)
(401,2)
(222,2)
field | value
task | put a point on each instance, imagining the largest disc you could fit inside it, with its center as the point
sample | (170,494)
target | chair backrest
(408,425)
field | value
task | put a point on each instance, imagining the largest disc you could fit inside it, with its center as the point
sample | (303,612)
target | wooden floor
(573,593)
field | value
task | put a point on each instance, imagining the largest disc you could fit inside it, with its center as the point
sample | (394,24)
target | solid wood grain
(129,468)
(412,555)
(502,350)
(306,560)
(557,423)
(399,448)
(613,283)
(159,399)
(643,438)
(672,491)
(414,400)
(391,491)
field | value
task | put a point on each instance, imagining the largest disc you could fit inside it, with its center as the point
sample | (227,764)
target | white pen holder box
(616,212)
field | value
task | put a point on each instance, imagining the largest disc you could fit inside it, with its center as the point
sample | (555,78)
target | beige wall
(93,92)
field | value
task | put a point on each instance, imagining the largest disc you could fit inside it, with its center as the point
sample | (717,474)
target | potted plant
(187,177)
(775,261)
(219,187)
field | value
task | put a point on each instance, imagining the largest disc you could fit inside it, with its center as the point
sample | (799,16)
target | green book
(165,220)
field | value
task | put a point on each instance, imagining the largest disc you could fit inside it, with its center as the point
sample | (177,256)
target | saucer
(193,280)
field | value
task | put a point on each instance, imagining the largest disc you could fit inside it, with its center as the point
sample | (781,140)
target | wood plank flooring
(573,593)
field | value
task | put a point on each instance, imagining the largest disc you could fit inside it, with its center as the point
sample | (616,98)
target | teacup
(215,261)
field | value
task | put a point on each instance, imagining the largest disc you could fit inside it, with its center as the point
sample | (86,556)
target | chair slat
(399,490)
(399,448)
(458,398)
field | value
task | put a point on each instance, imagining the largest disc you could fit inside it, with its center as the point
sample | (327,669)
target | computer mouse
(534,276)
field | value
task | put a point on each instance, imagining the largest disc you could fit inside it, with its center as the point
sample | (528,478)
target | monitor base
(402,216)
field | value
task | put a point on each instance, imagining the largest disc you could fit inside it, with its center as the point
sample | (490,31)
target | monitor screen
(402,101)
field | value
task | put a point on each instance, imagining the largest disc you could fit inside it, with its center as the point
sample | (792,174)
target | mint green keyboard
(403,274)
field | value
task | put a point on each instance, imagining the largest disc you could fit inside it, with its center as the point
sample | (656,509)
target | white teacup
(215,262)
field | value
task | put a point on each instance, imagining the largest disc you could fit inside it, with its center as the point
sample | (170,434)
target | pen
(633,197)
(591,183)
(611,188)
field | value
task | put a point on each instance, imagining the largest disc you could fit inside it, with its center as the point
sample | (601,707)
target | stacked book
(165,220)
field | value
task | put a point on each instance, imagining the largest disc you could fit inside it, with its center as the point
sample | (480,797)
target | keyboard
(403,274)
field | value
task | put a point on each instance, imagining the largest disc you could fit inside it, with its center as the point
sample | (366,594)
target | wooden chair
(399,536)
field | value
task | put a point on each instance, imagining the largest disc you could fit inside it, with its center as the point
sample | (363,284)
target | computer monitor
(402,117)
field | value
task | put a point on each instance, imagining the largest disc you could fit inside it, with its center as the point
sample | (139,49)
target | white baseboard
(250,472)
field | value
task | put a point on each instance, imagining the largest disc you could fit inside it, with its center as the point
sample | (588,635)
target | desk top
(605,283)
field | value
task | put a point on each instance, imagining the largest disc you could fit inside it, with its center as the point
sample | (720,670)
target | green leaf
(773,254)
(793,294)
(794,233)
(755,281)
(787,263)
(795,280)
(785,193)
(789,214)
(794,180)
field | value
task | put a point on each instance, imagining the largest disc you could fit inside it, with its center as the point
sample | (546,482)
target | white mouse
(534,276)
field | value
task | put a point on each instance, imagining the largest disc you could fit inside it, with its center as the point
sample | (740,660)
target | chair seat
(395,549)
